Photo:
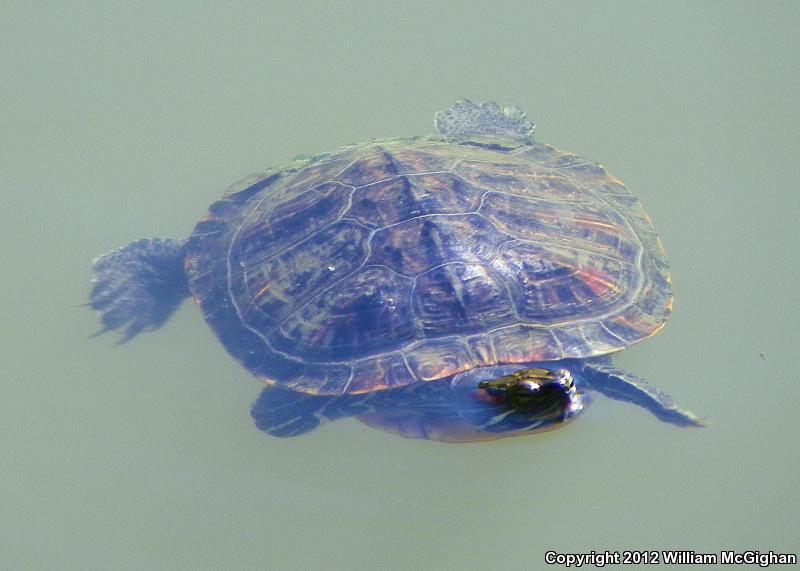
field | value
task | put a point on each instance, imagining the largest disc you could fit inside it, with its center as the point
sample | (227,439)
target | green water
(120,121)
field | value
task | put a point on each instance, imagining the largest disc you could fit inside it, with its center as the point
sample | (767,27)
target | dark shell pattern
(406,260)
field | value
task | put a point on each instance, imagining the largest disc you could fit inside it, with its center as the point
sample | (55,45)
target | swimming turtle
(461,286)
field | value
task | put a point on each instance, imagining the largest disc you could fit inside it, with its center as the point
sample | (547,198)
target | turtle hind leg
(623,386)
(138,286)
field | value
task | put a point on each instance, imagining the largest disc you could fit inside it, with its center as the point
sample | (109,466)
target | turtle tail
(138,286)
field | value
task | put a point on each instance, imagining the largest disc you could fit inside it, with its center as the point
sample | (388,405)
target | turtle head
(520,399)
(534,390)
(539,392)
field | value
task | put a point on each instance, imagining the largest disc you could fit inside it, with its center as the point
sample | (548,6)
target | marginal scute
(385,264)
(320,379)
(249,185)
(522,342)
(380,373)
(540,154)
(633,323)
(416,160)
(481,351)
(437,359)
(369,169)
(313,173)
(588,336)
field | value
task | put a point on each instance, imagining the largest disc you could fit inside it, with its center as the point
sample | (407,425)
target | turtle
(461,286)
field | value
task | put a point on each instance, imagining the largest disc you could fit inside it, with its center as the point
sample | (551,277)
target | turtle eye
(525,395)
(526,388)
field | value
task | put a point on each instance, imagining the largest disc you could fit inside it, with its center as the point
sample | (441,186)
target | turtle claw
(99,332)
(682,417)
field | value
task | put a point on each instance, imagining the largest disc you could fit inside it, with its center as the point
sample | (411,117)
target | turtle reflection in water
(463,286)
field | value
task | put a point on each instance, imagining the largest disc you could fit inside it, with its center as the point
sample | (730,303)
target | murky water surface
(120,122)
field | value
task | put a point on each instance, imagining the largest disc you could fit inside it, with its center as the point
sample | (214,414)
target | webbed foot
(487,119)
(138,286)
(623,386)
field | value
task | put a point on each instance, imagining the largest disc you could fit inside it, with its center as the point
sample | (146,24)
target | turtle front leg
(623,386)
(285,413)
